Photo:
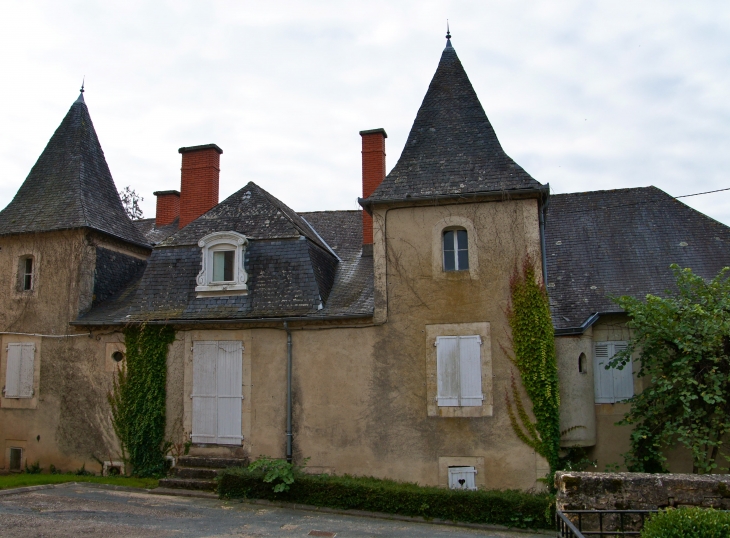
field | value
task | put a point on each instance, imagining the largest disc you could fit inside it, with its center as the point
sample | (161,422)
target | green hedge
(694,522)
(510,508)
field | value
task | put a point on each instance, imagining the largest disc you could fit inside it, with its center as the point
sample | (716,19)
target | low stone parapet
(640,491)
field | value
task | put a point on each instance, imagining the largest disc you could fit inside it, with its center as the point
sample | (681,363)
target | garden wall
(640,491)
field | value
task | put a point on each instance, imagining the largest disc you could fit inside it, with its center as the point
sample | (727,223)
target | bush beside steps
(695,522)
(510,508)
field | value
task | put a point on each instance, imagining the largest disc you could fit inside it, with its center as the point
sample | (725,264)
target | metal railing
(600,523)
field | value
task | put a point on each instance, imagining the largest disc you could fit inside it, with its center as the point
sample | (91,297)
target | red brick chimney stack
(200,173)
(373,173)
(168,207)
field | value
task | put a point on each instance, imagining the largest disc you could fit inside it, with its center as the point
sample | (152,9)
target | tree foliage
(683,341)
(138,399)
(533,344)
(130,200)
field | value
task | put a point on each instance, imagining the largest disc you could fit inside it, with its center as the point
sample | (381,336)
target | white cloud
(583,95)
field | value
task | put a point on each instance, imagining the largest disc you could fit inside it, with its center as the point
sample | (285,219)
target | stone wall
(640,491)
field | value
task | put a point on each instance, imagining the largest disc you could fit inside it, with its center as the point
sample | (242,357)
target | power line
(698,193)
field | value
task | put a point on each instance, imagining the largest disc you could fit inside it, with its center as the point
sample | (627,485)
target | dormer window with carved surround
(223,271)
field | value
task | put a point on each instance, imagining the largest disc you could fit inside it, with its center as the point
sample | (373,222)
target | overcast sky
(583,95)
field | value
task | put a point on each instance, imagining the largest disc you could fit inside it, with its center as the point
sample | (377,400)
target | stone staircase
(199,472)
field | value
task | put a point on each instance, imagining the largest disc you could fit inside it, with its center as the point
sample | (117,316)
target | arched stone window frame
(437,248)
(214,242)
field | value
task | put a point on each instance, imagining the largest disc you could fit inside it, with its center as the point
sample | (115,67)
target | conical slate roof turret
(70,186)
(452,148)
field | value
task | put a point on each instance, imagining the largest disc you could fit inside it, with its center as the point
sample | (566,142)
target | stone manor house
(372,342)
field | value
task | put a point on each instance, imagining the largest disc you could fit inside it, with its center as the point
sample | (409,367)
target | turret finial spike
(448,33)
(82,83)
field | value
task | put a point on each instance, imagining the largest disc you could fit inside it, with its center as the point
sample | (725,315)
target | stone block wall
(640,491)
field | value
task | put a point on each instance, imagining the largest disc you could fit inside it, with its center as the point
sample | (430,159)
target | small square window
(16,457)
(462,478)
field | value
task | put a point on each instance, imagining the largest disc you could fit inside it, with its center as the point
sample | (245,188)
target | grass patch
(23,479)
(501,507)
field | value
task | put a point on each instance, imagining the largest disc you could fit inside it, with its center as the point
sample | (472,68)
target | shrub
(81,471)
(279,472)
(695,522)
(509,507)
(34,468)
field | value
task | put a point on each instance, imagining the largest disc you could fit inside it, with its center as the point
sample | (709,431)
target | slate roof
(70,186)
(452,148)
(155,234)
(621,242)
(289,276)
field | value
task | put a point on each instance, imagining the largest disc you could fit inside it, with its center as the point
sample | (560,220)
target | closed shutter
(623,380)
(470,371)
(602,378)
(12,371)
(205,405)
(19,371)
(462,478)
(230,369)
(26,370)
(447,367)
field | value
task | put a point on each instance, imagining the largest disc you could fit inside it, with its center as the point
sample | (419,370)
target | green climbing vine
(533,345)
(138,398)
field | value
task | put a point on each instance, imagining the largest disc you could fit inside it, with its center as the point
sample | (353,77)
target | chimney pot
(373,174)
(199,178)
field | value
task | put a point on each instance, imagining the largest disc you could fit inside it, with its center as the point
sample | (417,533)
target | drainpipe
(288,393)
(543,208)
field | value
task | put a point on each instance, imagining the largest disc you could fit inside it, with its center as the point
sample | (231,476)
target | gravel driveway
(78,510)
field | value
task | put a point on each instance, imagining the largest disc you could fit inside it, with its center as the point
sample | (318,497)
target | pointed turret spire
(70,186)
(81,95)
(452,148)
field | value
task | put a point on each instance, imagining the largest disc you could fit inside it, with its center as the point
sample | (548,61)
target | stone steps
(198,473)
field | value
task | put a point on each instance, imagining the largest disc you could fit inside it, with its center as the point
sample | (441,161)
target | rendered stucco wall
(577,412)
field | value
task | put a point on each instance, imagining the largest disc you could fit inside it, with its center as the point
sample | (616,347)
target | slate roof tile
(452,148)
(70,186)
(621,242)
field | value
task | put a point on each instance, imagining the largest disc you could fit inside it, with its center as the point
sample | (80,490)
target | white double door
(217,395)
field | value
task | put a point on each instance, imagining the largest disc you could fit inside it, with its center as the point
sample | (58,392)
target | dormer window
(222,262)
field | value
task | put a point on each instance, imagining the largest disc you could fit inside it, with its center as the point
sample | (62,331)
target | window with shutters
(459,371)
(462,478)
(612,385)
(19,370)
(217,392)
(222,265)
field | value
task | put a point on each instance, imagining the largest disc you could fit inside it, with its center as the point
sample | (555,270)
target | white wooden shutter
(230,369)
(26,370)
(12,371)
(462,478)
(447,370)
(623,380)
(205,405)
(470,374)
(602,378)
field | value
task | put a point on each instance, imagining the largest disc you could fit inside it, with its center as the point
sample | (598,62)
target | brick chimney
(373,174)
(200,173)
(168,207)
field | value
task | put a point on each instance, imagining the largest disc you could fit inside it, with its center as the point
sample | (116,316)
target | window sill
(218,290)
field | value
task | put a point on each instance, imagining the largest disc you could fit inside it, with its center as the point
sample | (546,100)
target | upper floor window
(456,250)
(612,385)
(222,265)
(26,273)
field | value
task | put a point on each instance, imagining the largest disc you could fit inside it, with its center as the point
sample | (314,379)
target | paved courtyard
(89,512)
